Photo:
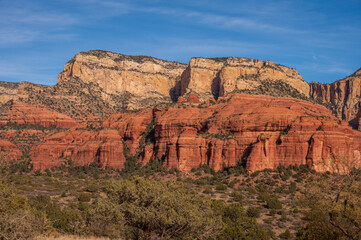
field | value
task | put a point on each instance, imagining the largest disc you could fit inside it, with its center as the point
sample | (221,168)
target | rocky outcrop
(220,76)
(144,79)
(260,131)
(9,151)
(20,113)
(343,97)
(8,91)
(109,143)
(101,83)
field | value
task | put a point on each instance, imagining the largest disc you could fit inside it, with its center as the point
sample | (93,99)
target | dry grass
(70,237)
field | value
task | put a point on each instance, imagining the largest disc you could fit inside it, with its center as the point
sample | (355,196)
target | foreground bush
(335,208)
(237,225)
(149,209)
(127,209)
(17,220)
(159,209)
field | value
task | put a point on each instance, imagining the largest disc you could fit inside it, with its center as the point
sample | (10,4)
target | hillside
(108,108)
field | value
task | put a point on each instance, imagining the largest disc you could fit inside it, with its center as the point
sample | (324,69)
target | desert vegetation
(152,202)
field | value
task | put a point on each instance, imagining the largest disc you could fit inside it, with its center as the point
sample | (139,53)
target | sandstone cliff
(20,113)
(146,80)
(108,143)
(100,83)
(8,91)
(260,131)
(342,96)
(215,77)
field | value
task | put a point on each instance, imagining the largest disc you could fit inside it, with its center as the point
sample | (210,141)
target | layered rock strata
(99,83)
(108,143)
(260,131)
(342,96)
(20,113)
(219,76)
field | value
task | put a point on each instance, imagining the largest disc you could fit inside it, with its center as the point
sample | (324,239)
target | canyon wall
(213,77)
(260,131)
(212,123)
(107,143)
(343,97)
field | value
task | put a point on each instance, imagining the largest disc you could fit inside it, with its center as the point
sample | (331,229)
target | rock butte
(223,128)
(261,131)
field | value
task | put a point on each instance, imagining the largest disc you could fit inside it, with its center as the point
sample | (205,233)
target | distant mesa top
(114,82)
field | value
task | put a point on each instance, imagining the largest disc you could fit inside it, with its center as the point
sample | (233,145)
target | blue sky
(321,39)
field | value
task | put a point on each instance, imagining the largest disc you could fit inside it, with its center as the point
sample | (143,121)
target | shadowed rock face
(261,131)
(343,97)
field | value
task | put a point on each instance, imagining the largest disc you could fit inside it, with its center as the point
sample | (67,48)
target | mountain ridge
(110,108)
(118,82)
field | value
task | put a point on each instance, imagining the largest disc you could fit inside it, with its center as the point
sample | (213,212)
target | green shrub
(286,235)
(145,205)
(272,201)
(239,226)
(221,187)
(207,190)
(20,225)
(255,174)
(254,212)
(292,187)
(92,188)
(83,197)
(237,196)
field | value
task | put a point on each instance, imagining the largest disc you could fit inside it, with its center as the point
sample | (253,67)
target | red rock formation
(84,146)
(261,131)
(22,113)
(192,98)
(211,100)
(181,99)
(9,151)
